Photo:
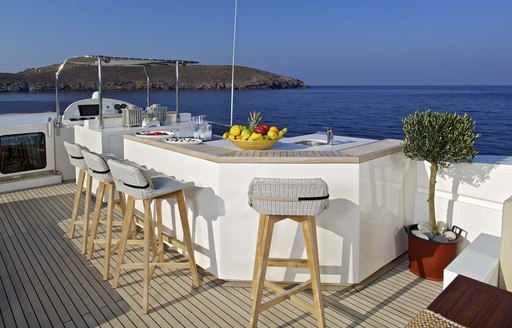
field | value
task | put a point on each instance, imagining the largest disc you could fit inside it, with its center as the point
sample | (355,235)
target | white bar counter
(360,232)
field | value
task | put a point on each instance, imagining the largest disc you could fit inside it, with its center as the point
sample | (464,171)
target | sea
(374,112)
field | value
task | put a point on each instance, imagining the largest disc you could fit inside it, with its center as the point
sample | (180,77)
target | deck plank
(45,281)
(58,278)
(31,307)
(29,260)
(11,311)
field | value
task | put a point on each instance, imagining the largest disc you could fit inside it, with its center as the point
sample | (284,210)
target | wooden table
(472,303)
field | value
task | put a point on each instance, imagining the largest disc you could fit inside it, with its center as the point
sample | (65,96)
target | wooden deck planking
(64,278)
(98,299)
(28,260)
(19,277)
(115,298)
(71,293)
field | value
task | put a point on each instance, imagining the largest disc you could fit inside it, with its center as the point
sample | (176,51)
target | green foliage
(440,138)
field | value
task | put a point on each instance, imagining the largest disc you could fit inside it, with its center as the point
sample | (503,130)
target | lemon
(272,134)
(235,130)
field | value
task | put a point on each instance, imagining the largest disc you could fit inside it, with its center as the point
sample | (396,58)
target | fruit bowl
(254,144)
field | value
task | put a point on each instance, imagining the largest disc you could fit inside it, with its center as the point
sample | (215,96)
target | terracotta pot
(428,259)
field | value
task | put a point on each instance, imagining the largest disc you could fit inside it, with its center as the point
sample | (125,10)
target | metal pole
(100,96)
(54,127)
(147,86)
(57,100)
(233,66)
(177,87)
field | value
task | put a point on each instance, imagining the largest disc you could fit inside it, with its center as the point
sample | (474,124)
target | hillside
(193,77)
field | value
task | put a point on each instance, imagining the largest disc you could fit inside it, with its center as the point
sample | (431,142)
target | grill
(132,116)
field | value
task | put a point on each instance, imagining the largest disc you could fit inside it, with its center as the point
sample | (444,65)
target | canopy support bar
(148,86)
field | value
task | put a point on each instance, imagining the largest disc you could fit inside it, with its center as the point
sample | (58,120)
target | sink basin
(311,142)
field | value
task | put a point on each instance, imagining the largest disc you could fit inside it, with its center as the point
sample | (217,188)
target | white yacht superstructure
(31,151)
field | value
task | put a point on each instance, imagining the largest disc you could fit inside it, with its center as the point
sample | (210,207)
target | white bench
(480,261)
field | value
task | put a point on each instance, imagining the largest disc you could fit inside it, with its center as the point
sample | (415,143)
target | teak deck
(46,282)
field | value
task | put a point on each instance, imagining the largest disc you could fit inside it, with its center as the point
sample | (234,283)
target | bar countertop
(343,150)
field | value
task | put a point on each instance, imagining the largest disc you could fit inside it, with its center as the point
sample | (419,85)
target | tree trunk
(431,197)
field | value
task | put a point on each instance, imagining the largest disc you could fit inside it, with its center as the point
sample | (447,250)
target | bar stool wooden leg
(259,244)
(160,232)
(85,226)
(155,238)
(109,250)
(122,201)
(180,198)
(76,203)
(133,228)
(133,225)
(258,282)
(125,230)
(146,261)
(152,237)
(96,218)
(309,230)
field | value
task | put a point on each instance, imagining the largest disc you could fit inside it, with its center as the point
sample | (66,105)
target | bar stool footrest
(176,243)
(290,263)
(114,224)
(165,265)
(104,241)
(283,295)
(79,222)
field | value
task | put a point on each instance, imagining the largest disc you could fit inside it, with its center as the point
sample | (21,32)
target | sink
(311,142)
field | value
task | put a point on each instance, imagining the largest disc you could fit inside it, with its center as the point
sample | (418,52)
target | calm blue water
(372,112)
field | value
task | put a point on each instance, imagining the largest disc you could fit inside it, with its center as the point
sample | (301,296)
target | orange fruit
(274,128)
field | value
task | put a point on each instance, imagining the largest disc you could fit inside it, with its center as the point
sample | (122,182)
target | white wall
(359,233)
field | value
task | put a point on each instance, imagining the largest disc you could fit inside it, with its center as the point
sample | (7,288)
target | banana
(282,132)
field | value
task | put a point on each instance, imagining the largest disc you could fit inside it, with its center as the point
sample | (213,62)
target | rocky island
(192,77)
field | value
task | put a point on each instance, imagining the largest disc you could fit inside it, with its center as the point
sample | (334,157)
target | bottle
(330,136)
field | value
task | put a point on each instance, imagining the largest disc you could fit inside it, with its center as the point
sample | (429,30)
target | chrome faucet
(330,136)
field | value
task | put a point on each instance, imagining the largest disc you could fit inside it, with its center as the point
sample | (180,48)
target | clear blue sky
(335,42)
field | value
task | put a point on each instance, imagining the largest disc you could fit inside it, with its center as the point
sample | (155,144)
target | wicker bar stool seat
(77,160)
(131,181)
(300,200)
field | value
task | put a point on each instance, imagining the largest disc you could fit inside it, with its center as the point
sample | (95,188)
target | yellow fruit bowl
(254,145)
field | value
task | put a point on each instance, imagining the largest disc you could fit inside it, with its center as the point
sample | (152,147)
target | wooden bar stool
(300,200)
(76,159)
(97,168)
(131,181)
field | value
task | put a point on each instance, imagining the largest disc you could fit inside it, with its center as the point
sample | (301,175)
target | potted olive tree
(440,139)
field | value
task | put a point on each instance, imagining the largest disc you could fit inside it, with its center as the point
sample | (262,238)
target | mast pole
(100,94)
(233,65)
(177,92)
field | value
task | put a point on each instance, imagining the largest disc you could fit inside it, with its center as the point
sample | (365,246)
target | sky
(321,42)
